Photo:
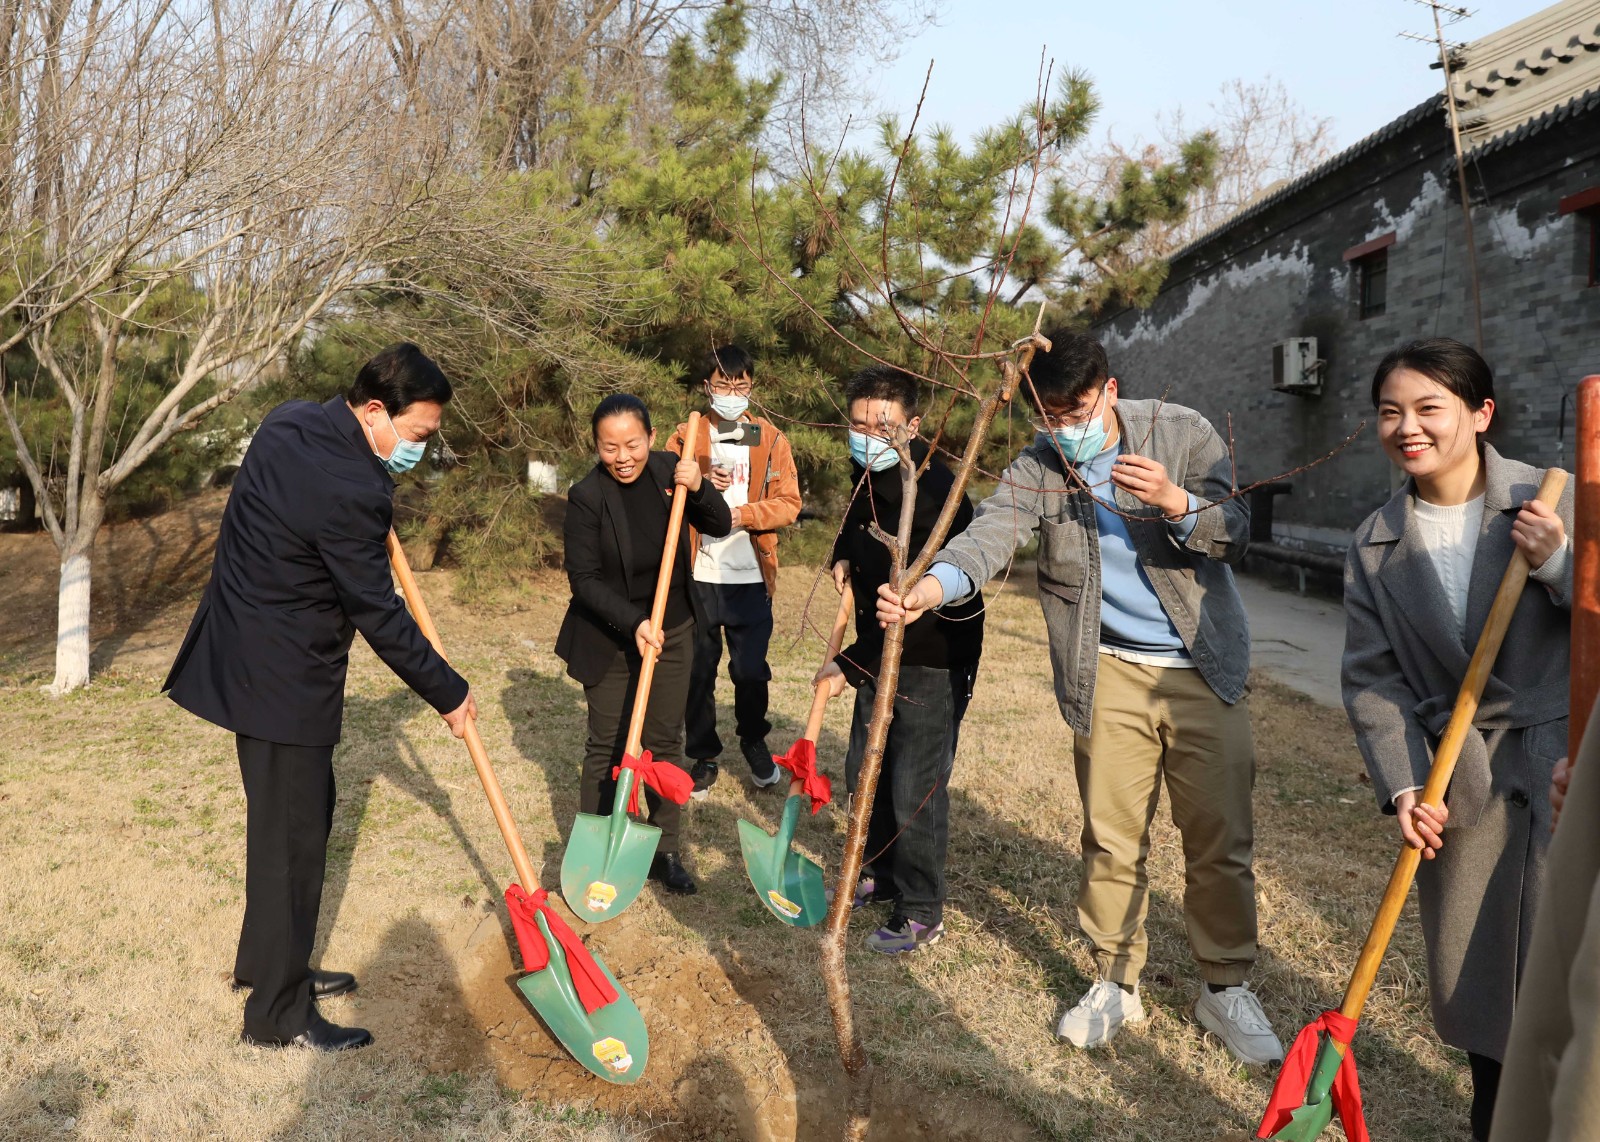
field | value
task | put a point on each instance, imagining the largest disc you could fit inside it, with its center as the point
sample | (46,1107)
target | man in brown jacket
(733,578)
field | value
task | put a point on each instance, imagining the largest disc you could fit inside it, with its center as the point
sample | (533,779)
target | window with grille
(1374,271)
(1370,262)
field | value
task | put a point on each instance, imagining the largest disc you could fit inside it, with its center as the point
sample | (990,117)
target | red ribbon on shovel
(593,988)
(1288,1093)
(667,779)
(801,760)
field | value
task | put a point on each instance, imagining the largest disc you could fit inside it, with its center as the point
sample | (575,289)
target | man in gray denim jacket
(1133,502)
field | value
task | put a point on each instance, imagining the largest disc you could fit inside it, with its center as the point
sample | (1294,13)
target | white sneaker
(1103,1008)
(1234,1015)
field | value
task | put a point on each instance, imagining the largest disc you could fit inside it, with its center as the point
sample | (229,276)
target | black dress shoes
(324,984)
(319,1036)
(669,870)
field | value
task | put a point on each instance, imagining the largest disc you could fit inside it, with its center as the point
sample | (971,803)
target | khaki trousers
(1151,721)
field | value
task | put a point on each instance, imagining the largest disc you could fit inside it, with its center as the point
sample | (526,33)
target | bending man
(300,567)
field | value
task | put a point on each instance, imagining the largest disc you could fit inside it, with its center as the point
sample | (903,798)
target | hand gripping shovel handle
(658,607)
(1444,759)
(819,698)
(480,756)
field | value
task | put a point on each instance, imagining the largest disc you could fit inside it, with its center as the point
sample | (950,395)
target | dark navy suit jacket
(300,567)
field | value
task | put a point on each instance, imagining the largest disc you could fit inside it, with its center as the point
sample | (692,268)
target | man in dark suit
(300,567)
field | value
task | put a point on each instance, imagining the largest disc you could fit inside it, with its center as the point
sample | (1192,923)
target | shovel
(791,885)
(1319,1076)
(575,994)
(608,858)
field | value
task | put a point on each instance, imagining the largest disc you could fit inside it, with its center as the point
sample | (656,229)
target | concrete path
(1295,640)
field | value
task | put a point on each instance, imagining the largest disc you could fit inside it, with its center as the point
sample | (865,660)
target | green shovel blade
(607,859)
(611,1042)
(790,885)
(1312,1117)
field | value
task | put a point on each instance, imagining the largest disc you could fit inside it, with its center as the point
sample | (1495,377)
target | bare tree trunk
(857,1067)
(72,616)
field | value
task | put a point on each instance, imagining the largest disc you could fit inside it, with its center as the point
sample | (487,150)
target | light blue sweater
(1131,616)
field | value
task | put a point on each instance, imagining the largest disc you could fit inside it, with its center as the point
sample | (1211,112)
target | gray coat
(1403,664)
(1191,578)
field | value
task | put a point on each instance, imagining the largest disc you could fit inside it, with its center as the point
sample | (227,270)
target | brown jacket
(774,491)
(1550,1088)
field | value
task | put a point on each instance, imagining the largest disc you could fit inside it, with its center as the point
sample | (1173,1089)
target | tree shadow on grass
(413,1002)
(45,1104)
(375,747)
(549,723)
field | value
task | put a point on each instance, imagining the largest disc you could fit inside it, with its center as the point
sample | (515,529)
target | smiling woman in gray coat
(1419,580)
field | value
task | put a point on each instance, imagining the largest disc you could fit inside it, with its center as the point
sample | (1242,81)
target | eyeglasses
(726,388)
(1055,421)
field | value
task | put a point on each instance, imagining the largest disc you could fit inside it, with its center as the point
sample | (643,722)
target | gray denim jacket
(1191,578)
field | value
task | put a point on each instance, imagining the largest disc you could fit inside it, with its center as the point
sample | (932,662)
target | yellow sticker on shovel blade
(599,896)
(613,1055)
(783,904)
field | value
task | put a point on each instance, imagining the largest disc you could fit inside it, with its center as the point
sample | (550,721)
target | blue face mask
(871,452)
(406,452)
(729,408)
(1082,441)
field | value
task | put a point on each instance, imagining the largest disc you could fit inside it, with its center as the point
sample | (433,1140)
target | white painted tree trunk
(72,625)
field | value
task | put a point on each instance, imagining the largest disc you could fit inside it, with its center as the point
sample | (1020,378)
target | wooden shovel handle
(480,756)
(658,608)
(819,696)
(1445,757)
(1585,565)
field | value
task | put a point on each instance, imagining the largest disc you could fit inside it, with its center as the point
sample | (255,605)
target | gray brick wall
(1206,342)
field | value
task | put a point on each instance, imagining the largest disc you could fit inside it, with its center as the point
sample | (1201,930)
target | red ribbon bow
(801,760)
(1289,1092)
(667,779)
(593,988)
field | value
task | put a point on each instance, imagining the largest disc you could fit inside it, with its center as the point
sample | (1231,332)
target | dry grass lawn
(121,861)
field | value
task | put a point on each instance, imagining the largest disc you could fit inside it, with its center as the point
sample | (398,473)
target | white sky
(1342,59)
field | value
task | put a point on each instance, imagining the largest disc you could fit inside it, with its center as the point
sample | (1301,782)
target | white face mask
(729,407)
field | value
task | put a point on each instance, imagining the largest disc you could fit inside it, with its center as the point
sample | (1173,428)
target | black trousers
(908,832)
(610,708)
(744,612)
(1485,1086)
(289,811)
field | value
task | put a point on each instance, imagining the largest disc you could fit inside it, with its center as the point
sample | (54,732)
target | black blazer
(602,617)
(300,567)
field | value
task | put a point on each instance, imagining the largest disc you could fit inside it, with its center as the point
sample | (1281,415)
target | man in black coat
(300,567)
(908,831)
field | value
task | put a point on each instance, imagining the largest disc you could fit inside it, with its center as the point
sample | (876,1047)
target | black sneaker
(764,772)
(669,870)
(705,776)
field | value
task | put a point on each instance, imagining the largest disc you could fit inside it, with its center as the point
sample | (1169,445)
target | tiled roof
(1579,105)
(1516,74)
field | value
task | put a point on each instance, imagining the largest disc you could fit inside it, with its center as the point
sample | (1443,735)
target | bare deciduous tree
(515,57)
(1264,139)
(204,181)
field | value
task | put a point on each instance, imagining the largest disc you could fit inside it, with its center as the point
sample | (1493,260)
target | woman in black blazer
(615,531)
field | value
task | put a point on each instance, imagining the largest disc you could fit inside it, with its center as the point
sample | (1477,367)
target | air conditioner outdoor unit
(1295,366)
